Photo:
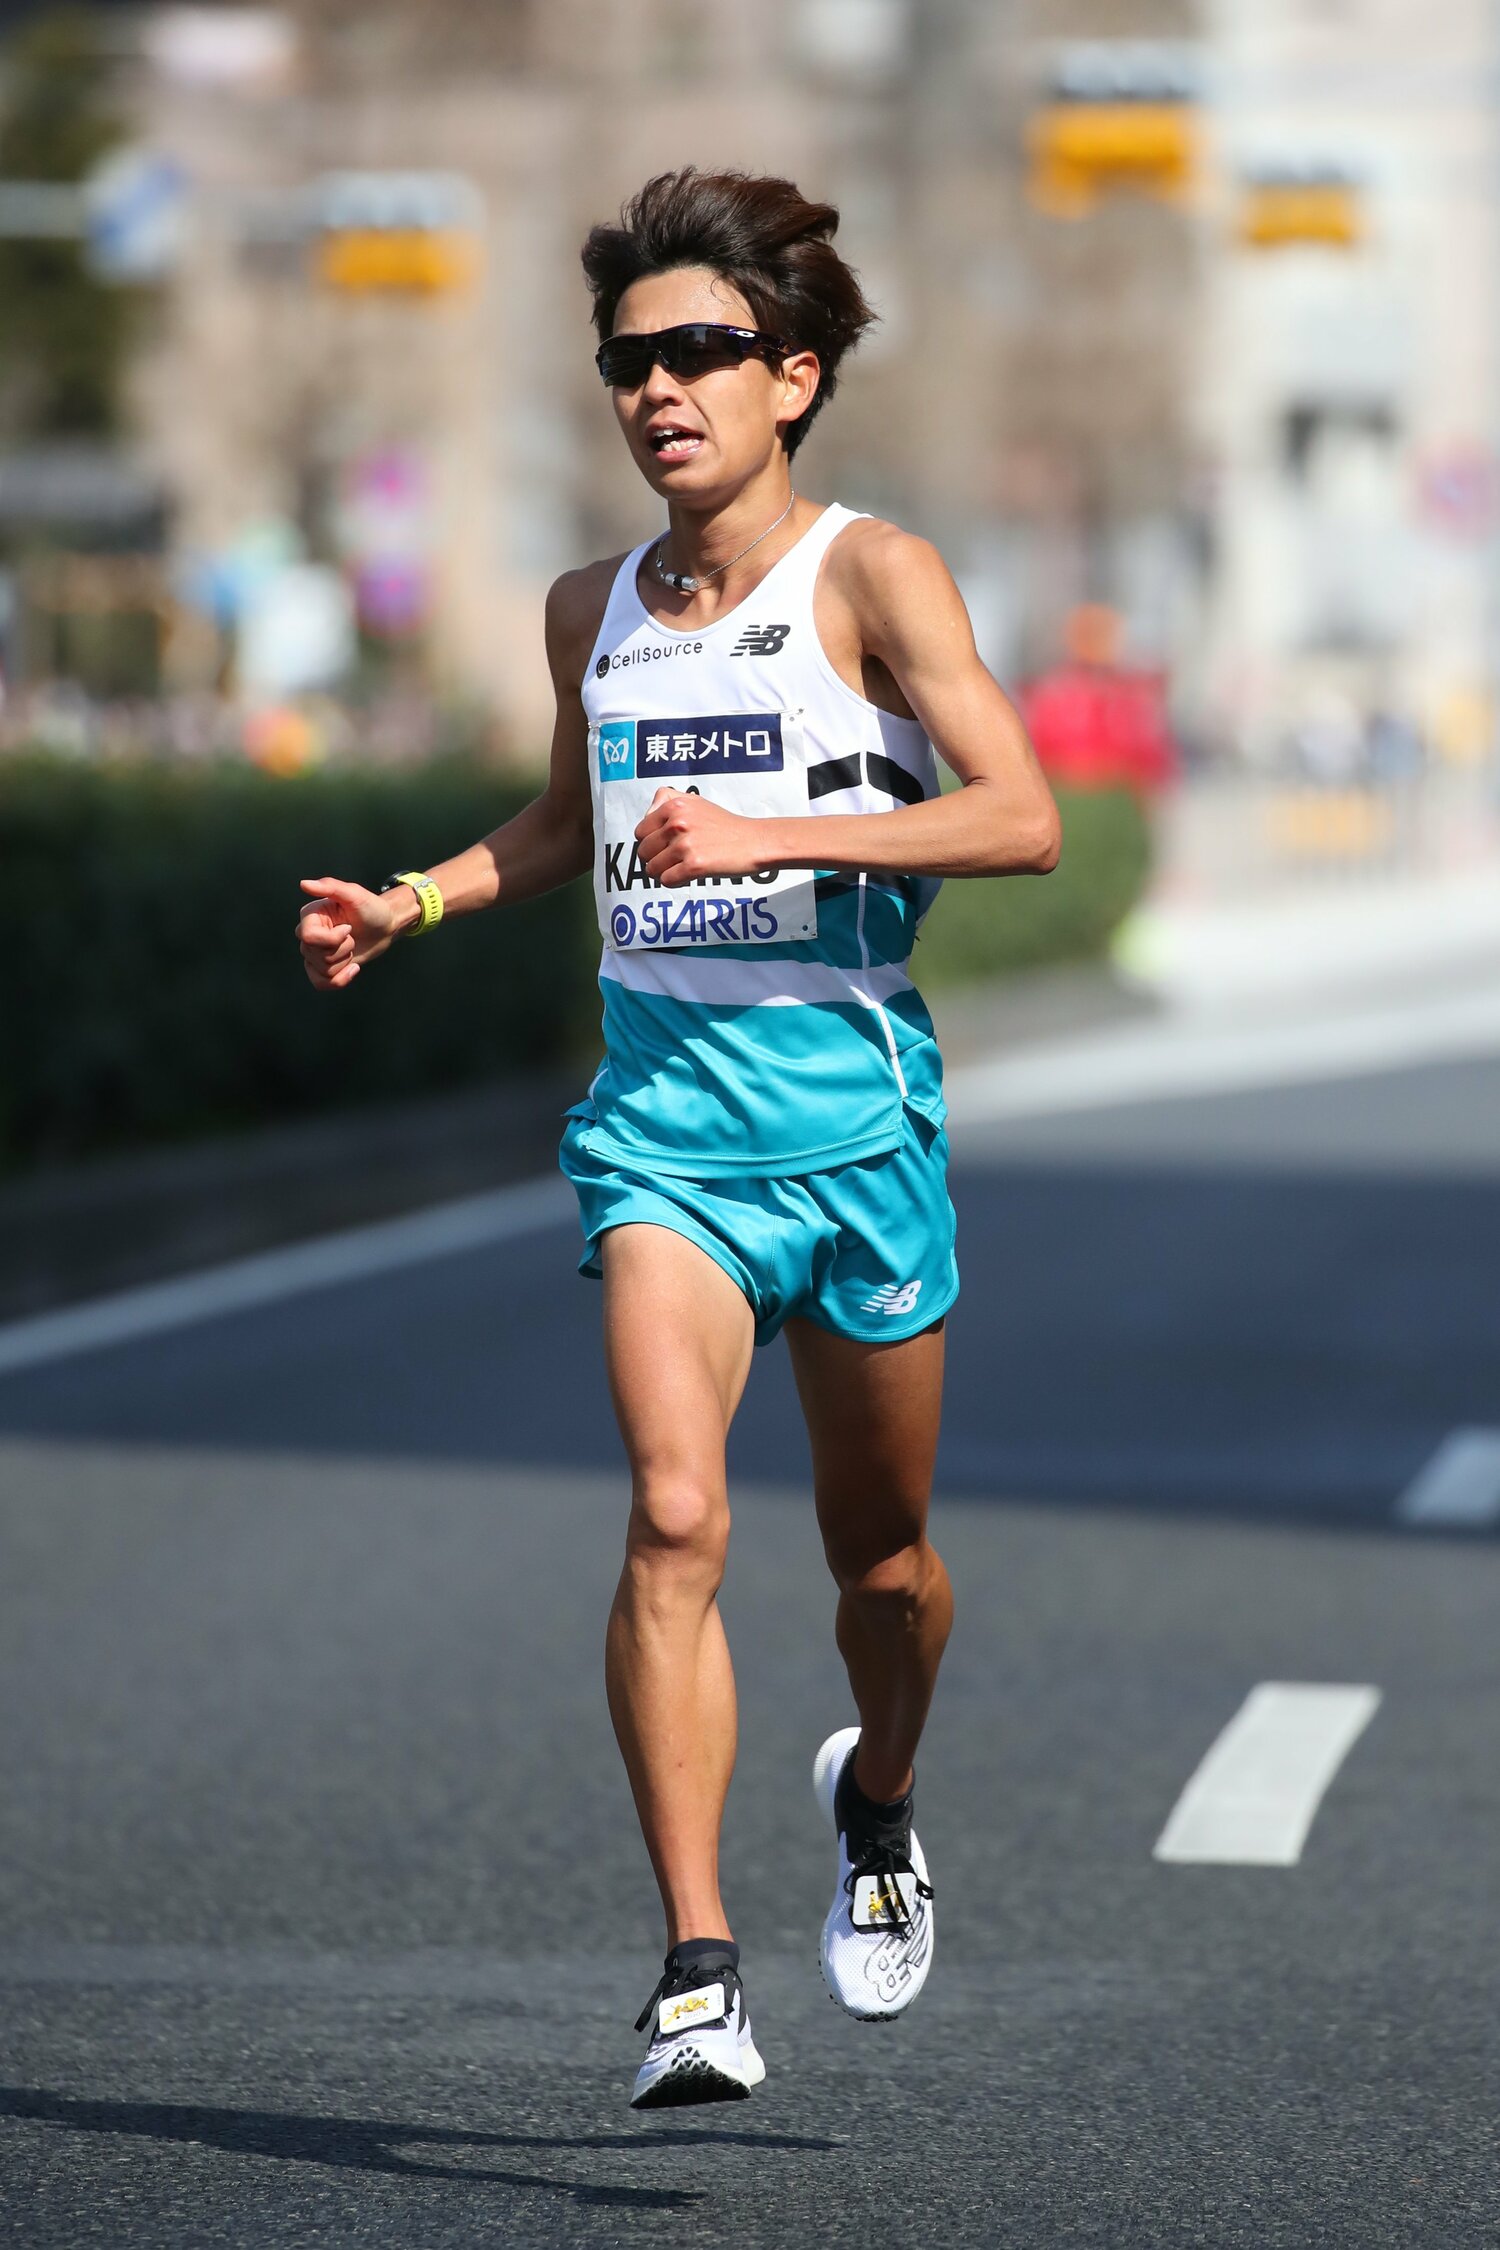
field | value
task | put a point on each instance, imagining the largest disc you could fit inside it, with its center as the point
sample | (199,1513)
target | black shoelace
(678,1976)
(885,1858)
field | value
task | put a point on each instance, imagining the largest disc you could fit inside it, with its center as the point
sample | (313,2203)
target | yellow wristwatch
(429,899)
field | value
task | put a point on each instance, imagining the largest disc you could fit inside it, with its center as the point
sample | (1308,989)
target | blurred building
(1348,376)
(1187,310)
(1025,400)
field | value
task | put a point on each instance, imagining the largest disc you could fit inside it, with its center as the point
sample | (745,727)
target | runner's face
(727,418)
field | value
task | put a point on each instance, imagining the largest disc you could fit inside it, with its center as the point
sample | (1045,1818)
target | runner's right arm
(547,844)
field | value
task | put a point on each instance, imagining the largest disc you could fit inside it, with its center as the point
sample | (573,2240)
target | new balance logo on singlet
(760,640)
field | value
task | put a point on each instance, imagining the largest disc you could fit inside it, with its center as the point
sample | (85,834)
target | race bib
(749,762)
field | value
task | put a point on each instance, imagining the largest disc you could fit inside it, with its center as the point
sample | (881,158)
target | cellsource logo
(649,652)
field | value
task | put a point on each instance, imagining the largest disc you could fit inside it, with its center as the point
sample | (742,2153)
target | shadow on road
(374,2145)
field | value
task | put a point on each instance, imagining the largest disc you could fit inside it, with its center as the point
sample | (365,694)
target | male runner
(747,707)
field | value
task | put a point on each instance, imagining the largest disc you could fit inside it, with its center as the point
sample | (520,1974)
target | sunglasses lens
(625,360)
(695,348)
(699,350)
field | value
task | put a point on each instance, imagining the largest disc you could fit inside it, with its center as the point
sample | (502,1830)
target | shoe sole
(857,2015)
(693,2077)
(691,2082)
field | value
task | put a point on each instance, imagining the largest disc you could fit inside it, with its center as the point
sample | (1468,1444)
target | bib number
(751,763)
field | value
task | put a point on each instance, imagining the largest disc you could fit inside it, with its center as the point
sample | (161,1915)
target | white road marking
(1460,1486)
(1252,1800)
(355,1253)
(1185,1055)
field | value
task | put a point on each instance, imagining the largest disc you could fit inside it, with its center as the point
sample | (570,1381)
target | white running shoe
(877,1940)
(701,2049)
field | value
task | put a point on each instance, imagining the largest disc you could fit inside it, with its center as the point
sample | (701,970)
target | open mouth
(673,444)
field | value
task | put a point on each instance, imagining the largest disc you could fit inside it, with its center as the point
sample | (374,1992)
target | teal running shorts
(866,1250)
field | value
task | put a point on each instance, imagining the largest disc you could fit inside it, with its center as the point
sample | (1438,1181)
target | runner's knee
(677,1526)
(888,1582)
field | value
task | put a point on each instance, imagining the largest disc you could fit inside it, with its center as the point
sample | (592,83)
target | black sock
(700,1952)
(853,1802)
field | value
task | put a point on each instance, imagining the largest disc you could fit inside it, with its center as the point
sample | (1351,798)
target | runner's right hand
(341,927)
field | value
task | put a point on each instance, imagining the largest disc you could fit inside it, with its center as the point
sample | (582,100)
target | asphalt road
(323,1918)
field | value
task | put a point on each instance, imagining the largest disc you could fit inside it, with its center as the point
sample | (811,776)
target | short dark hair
(758,233)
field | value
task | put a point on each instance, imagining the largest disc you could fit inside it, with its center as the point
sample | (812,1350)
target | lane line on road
(472,1222)
(1252,1799)
(1459,1488)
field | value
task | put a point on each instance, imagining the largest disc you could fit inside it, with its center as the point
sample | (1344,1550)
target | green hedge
(988,929)
(152,989)
(152,986)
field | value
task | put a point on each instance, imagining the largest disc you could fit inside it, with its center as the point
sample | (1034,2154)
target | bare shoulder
(576,603)
(876,565)
(894,583)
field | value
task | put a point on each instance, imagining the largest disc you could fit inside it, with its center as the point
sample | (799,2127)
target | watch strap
(429,900)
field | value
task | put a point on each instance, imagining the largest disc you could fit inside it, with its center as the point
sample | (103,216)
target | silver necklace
(679,580)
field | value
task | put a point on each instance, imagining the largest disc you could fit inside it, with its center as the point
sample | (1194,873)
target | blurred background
(1189,361)
(1180,308)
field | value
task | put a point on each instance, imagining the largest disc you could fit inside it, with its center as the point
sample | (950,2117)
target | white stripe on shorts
(752,984)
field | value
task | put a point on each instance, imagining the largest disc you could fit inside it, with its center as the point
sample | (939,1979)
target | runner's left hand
(684,836)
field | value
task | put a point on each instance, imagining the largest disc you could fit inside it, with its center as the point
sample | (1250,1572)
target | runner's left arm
(1002,820)
(345,925)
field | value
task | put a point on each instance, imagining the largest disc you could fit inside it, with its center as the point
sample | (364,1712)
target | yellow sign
(1329,823)
(421,261)
(1084,150)
(1275,213)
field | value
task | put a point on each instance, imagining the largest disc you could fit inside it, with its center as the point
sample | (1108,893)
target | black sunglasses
(695,347)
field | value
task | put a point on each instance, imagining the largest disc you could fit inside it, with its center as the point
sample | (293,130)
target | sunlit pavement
(324,1916)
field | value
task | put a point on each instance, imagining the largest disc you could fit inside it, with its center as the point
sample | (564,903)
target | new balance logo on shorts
(894,1297)
(760,640)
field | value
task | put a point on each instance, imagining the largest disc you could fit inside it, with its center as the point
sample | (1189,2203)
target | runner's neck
(700,546)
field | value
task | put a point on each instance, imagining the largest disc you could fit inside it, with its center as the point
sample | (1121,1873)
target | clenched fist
(342,927)
(685,835)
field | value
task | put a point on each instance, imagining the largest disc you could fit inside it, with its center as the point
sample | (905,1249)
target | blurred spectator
(1094,722)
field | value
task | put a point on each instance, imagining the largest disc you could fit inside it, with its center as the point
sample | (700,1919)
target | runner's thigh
(872,1413)
(678,1335)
